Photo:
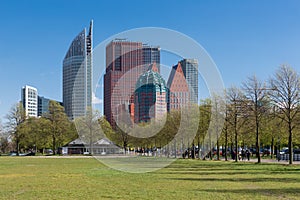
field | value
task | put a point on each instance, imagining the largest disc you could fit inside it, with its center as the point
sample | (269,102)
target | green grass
(87,178)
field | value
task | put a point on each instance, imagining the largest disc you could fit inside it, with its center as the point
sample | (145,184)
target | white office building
(30,101)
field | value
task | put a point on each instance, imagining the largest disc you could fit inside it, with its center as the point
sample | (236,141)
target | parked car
(284,150)
(12,154)
(22,154)
(265,152)
(30,154)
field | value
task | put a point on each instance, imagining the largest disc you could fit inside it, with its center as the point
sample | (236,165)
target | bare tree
(88,128)
(256,94)
(286,97)
(15,117)
(236,115)
(218,118)
(204,121)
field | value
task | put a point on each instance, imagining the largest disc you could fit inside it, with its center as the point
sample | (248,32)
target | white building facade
(30,101)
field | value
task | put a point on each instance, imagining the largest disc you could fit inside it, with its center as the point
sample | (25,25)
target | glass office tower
(190,71)
(77,74)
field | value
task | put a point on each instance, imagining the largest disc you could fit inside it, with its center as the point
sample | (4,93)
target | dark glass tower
(151,54)
(190,71)
(77,74)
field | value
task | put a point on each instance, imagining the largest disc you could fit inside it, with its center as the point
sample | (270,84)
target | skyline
(241,38)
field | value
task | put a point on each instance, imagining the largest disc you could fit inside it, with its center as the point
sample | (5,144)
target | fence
(296,157)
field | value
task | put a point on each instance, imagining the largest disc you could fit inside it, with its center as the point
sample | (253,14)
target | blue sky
(242,37)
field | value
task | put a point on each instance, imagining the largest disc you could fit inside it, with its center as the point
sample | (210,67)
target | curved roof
(151,78)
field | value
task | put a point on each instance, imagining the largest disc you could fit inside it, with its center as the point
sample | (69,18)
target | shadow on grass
(271,192)
(282,180)
(218,167)
(246,172)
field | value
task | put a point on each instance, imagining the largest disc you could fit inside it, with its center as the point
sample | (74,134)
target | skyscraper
(29,100)
(77,74)
(151,54)
(150,96)
(190,71)
(178,89)
(121,57)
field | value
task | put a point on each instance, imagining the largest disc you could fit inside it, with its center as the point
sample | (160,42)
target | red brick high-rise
(178,89)
(125,62)
(123,65)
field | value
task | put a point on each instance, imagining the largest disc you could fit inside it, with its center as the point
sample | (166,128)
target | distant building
(125,62)
(77,74)
(43,105)
(178,89)
(151,54)
(150,96)
(190,71)
(29,98)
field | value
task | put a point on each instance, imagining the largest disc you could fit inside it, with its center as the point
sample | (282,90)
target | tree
(236,115)
(218,116)
(256,98)
(105,127)
(226,127)
(36,133)
(60,127)
(204,121)
(88,128)
(3,139)
(15,117)
(286,97)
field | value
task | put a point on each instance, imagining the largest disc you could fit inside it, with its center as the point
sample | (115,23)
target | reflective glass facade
(77,75)
(151,55)
(190,71)
(126,61)
(43,105)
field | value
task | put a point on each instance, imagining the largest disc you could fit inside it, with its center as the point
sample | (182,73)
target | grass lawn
(87,178)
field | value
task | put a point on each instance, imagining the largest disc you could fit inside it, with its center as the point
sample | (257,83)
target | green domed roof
(151,78)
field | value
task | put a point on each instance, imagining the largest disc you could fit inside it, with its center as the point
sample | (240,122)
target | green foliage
(50,131)
(61,129)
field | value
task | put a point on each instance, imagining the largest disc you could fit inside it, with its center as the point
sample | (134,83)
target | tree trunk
(218,150)
(236,140)
(18,147)
(198,148)
(226,143)
(53,144)
(272,147)
(257,142)
(290,144)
